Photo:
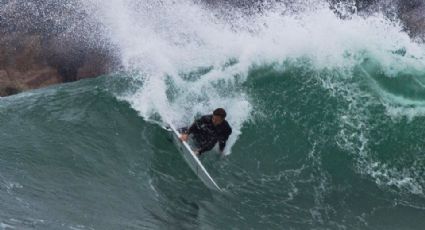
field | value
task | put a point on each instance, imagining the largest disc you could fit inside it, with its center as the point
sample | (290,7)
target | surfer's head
(218,116)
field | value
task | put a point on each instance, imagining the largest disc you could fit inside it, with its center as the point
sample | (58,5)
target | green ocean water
(328,118)
(75,156)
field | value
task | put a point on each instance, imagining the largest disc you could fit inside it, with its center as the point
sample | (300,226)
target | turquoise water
(74,156)
(328,130)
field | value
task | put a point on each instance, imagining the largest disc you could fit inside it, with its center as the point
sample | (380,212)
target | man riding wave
(208,130)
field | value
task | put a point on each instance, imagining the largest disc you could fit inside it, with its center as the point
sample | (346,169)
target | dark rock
(47,42)
(6,91)
(415,19)
(32,61)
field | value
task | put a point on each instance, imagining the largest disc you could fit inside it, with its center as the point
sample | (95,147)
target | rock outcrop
(29,61)
(415,21)
(48,42)
(411,12)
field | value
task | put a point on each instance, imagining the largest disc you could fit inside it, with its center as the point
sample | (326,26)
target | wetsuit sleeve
(223,139)
(195,126)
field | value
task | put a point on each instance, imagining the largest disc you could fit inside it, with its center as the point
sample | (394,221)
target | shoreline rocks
(31,61)
(47,42)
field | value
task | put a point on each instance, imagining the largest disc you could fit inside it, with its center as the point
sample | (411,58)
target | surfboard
(192,160)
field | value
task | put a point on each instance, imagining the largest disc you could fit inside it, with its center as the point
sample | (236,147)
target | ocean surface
(328,118)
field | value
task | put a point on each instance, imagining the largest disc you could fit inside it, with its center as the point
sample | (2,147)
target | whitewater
(327,114)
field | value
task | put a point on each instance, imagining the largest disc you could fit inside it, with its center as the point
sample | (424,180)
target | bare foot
(184,137)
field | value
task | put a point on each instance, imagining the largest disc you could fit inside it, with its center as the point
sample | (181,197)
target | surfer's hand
(184,137)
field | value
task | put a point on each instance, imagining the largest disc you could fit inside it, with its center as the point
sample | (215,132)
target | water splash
(191,59)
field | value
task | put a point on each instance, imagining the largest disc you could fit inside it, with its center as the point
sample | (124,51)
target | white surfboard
(193,160)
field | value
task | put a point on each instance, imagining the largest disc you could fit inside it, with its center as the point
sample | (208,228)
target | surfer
(208,130)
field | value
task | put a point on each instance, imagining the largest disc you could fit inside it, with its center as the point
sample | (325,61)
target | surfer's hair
(220,112)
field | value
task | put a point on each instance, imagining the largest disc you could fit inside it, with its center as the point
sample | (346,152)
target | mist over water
(327,111)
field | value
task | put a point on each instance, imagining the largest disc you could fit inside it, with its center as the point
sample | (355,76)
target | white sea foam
(162,42)
(6,226)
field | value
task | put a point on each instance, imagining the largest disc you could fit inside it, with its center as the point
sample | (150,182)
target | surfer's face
(216,120)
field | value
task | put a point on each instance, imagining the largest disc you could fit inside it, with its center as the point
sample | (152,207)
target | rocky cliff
(48,42)
(29,61)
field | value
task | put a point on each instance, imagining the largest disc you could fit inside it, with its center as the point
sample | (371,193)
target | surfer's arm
(187,132)
(222,141)
(222,144)
(194,127)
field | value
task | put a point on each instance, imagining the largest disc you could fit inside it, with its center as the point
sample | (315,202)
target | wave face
(327,116)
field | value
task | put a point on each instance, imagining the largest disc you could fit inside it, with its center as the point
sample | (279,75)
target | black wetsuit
(206,134)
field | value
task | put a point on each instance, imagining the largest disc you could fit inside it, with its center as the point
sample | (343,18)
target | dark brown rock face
(22,66)
(31,61)
(47,42)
